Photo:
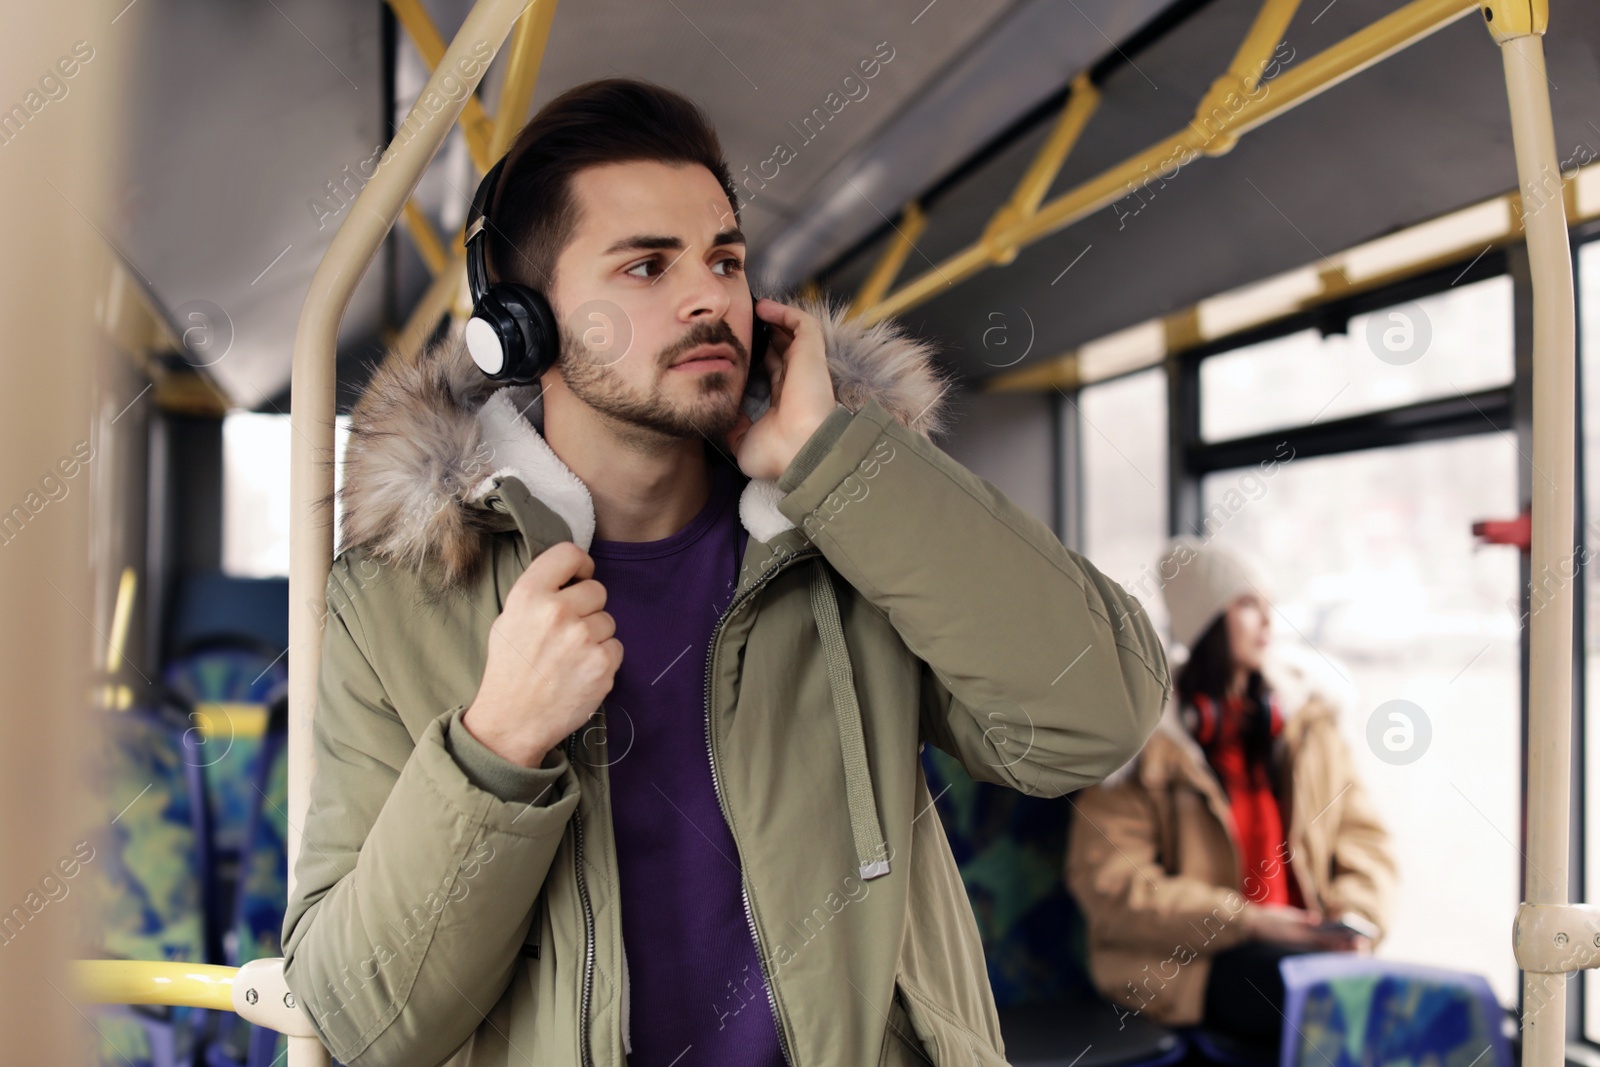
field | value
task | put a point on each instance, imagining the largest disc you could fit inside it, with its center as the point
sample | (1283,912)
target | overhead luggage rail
(1232,107)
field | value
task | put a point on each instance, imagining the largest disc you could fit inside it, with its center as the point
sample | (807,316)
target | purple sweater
(697,991)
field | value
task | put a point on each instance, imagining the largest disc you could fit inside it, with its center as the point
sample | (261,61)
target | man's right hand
(552,659)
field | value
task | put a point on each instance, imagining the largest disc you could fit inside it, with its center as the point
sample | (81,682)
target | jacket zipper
(716,782)
(588,920)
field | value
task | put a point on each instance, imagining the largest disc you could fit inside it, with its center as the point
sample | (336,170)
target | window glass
(1123,427)
(1376,575)
(255,492)
(1457,341)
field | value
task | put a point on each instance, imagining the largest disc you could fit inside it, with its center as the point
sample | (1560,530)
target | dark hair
(1209,672)
(613,120)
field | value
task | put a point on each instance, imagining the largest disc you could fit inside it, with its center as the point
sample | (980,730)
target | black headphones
(512,334)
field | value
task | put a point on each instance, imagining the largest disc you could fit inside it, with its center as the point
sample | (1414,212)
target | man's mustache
(705,333)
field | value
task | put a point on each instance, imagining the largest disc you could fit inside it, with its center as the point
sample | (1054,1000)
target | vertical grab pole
(312,386)
(1518,27)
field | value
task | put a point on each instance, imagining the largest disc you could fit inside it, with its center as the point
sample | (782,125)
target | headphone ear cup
(512,334)
(494,338)
(536,322)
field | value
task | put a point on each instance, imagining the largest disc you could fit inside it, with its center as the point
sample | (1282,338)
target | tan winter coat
(450,905)
(1153,862)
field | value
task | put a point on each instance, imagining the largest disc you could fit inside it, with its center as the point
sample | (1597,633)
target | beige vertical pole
(1518,28)
(55,177)
(312,388)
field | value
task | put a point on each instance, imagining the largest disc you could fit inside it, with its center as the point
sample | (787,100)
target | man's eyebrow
(645,242)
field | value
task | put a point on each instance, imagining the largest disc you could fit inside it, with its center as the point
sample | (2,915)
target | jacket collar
(436,449)
(1307,688)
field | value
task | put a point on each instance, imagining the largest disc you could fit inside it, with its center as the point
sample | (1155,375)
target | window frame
(1502,409)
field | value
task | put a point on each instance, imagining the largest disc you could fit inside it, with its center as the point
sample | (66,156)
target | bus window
(1376,570)
(1455,341)
(1123,434)
(255,492)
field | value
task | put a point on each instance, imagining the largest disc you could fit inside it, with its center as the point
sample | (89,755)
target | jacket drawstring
(872,855)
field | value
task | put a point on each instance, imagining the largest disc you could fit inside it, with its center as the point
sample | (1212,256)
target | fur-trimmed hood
(431,437)
(1305,685)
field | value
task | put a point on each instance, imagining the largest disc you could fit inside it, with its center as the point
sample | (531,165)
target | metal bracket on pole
(1510,19)
(1556,938)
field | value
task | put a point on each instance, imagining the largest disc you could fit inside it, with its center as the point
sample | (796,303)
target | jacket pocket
(944,1040)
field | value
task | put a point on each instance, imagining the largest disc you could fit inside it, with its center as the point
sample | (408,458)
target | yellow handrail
(1296,85)
(180,985)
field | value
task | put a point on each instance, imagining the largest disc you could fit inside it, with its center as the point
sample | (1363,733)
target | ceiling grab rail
(312,386)
(1551,937)
(1230,109)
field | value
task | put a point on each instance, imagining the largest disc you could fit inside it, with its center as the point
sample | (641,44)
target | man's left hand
(802,393)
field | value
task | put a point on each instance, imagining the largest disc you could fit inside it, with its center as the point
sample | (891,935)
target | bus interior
(1130,230)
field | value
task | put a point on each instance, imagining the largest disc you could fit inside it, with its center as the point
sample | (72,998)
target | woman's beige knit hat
(1199,580)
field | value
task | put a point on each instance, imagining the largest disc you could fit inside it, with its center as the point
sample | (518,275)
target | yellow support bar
(1299,83)
(1243,77)
(437,302)
(187,985)
(531,35)
(426,238)
(121,615)
(912,223)
(528,41)
(425,36)
(1042,172)
(1266,34)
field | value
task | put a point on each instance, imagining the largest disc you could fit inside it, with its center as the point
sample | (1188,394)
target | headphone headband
(476,238)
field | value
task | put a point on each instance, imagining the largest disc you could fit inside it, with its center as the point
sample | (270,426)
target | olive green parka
(450,906)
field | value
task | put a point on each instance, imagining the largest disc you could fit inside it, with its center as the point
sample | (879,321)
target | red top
(1257,822)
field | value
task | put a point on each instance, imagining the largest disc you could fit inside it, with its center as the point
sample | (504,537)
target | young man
(622,694)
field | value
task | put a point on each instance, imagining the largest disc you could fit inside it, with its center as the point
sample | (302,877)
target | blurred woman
(1240,834)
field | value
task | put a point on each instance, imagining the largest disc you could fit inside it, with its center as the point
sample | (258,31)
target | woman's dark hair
(613,120)
(1209,672)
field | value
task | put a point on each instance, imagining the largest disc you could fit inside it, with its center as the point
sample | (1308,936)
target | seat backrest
(146,875)
(1011,850)
(1347,1011)
(147,872)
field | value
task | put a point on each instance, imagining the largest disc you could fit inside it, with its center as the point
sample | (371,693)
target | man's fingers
(556,566)
(790,319)
(584,597)
(601,626)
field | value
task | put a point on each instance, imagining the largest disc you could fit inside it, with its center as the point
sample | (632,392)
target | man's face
(653,274)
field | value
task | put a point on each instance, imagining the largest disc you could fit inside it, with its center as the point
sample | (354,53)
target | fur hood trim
(431,437)
(1305,684)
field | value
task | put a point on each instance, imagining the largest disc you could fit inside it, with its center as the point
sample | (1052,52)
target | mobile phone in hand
(1349,925)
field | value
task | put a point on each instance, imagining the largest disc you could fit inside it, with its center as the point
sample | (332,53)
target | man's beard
(711,412)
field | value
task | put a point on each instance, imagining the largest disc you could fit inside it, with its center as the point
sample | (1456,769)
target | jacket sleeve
(1042,674)
(1364,875)
(414,887)
(1126,895)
